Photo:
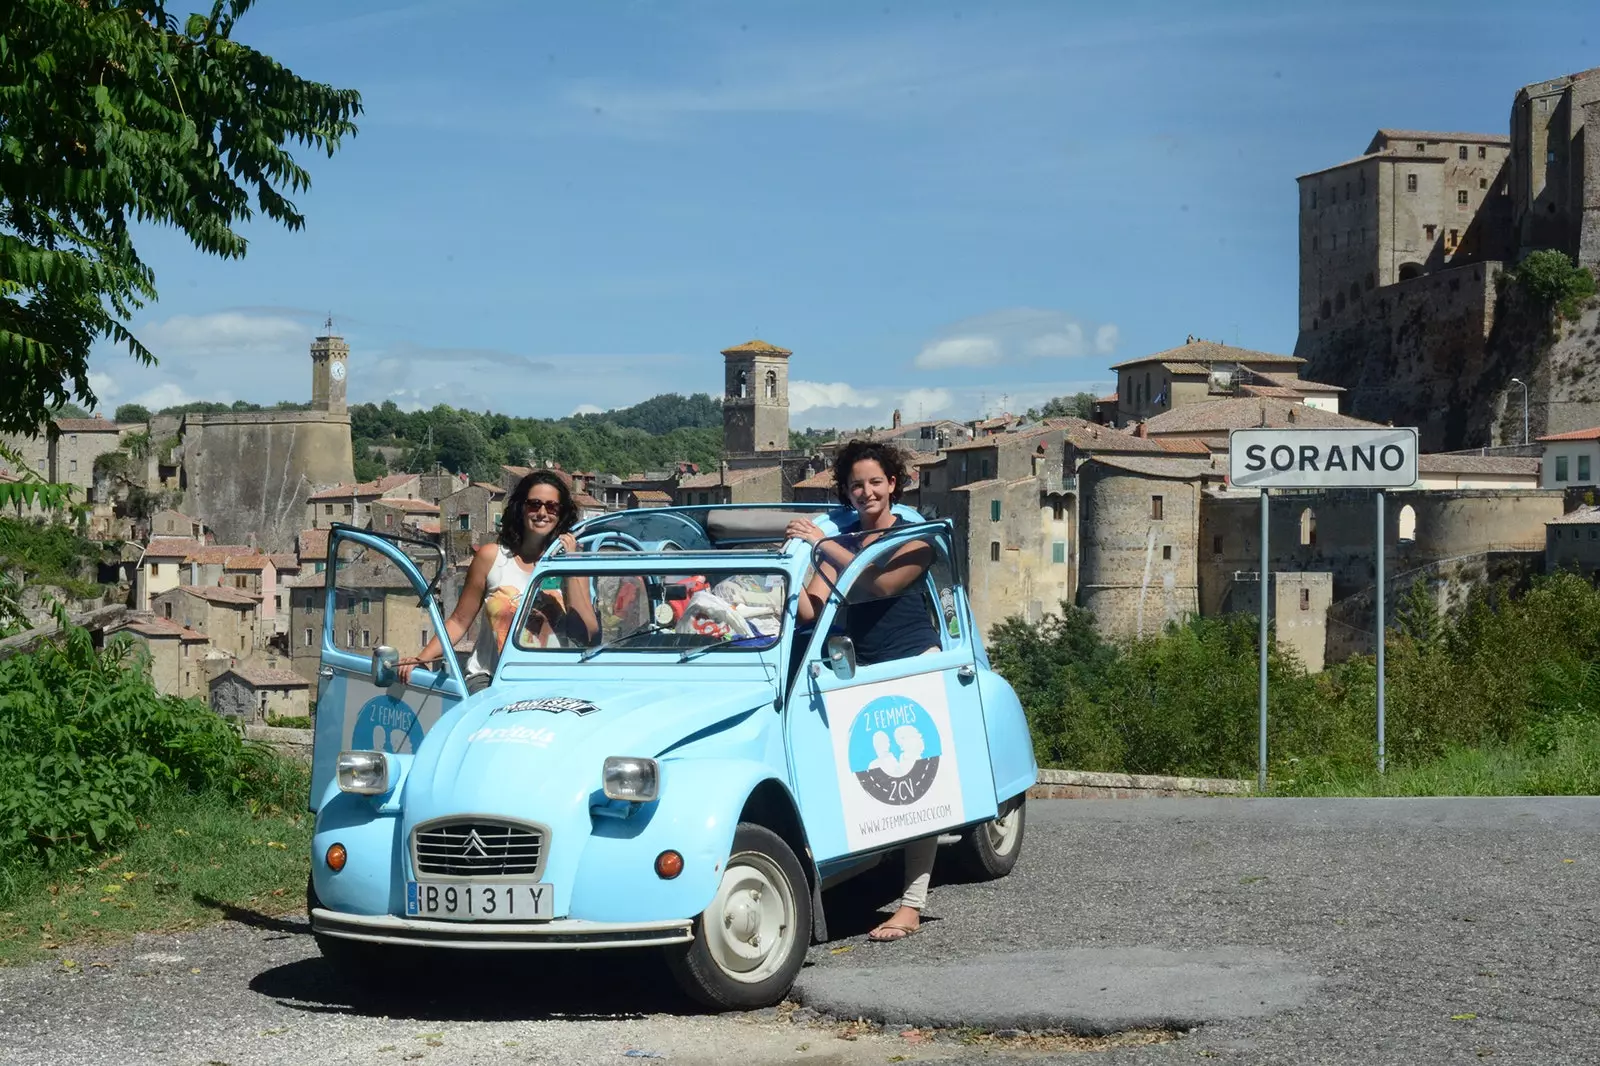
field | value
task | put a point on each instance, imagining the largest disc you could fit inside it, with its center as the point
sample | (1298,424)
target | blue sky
(938,207)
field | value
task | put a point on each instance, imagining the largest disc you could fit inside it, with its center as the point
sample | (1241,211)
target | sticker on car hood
(551,704)
(515,734)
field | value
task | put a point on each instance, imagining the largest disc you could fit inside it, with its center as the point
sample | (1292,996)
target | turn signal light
(669,864)
(336,857)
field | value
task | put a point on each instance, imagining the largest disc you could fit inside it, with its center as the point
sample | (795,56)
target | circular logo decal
(387,724)
(894,750)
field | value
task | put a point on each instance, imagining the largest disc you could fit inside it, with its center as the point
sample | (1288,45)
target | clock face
(336,371)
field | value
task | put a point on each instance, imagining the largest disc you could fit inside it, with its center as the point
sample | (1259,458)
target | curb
(1085,784)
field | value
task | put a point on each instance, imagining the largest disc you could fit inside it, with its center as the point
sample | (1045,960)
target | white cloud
(959,351)
(171,394)
(587,409)
(105,387)
(808,395)
(223,331)
(1015,335)
(919,405)
(1106,339)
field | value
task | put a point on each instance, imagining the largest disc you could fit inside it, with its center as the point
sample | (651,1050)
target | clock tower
(329,358)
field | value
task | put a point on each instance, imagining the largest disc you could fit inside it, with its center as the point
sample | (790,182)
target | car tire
(989,850)
(750,942)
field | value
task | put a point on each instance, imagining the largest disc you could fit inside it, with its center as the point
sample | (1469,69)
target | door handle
(967,673)
(325,671)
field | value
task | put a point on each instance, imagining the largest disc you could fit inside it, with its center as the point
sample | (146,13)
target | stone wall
(1138,570)
(249,474)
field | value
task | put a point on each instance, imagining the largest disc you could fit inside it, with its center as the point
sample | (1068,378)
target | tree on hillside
(111,113)
(132,412)
(1078,405)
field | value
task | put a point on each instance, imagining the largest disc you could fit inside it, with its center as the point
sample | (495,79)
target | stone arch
(744,384)
(1408,524)
(772,384)
(1308,528)
(1355,292)
(1410,270)
(1058,507)
(1327,309)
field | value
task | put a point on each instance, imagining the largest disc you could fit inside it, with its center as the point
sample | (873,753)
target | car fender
(696,815)
(1011,756)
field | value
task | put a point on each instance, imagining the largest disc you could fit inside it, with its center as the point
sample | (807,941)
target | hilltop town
(1406,318)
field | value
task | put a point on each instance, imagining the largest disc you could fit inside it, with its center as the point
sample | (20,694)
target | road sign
(1379,458)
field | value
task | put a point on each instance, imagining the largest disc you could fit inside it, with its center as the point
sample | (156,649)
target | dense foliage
(113,113)
(1507,672)
(1078,405)
(1551,279)
(86,742)
(647,436)
(49,553)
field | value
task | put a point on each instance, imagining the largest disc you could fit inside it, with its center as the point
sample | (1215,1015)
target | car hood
(535,750)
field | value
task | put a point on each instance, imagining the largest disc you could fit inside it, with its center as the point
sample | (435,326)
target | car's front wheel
(988,851)
(751,941)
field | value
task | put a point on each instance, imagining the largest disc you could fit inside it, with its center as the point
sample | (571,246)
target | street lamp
(1524,384)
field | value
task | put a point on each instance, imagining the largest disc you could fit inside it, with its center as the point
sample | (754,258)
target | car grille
(478,849)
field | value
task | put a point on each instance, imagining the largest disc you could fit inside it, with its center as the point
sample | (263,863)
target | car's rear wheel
(751,941)
(989,850)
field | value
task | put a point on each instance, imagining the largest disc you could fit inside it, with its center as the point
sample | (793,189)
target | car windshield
(653,611)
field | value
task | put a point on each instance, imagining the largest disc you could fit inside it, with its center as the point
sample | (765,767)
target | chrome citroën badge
(474,847)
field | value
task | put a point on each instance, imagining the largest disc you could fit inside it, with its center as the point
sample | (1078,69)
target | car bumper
(562,934)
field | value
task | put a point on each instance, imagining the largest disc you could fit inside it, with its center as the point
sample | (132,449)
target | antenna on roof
(328,325)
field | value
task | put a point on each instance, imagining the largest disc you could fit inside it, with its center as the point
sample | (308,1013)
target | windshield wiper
(695,653)
(652,628)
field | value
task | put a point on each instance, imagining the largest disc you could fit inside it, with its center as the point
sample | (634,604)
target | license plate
(503,901)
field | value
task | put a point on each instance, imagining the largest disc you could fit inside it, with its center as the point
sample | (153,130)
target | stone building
(1555,166)
(1477,472)
(228,618)
(174,523)
(352,504)
(1414,203)
(754,484)
(252,694)
(177,655)
(1213,421)
(1204,371)
(397,514)
(1571,460)
(250,472)
(161,568)
(758,466)
(1572,542)
(75,445)
(646,498)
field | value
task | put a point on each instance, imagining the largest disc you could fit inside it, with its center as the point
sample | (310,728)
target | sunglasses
(533,506)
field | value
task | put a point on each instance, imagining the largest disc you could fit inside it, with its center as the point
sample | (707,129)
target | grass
(196,859)
(1566,765)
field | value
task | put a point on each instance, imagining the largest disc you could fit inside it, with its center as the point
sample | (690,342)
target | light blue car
(691,780)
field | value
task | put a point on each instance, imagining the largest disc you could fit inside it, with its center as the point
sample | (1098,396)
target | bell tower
(755,399)
(329,358)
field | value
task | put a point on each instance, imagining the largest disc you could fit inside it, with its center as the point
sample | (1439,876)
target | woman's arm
(895,574)
(460,620)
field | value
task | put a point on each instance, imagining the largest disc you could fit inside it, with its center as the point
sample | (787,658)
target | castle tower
(755,399)
(329,356)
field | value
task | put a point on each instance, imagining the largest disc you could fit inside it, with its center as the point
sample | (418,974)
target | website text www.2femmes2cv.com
(935,813)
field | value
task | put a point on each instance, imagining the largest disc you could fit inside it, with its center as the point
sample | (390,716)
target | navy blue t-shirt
(892,627)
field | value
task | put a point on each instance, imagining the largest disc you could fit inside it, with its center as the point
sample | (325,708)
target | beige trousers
(919,871)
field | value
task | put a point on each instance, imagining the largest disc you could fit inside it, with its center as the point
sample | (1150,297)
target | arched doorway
(1308,528)
(1408,524)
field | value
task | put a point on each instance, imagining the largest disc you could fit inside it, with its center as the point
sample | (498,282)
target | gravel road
(1286,931)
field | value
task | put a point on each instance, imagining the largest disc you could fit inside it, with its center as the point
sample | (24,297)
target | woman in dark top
(888,616)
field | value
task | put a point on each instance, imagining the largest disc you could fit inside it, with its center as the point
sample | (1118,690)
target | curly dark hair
(513,523)
(884,454)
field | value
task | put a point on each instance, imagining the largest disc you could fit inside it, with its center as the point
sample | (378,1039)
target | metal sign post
(1382,630)
(1379,458)
(1261,753)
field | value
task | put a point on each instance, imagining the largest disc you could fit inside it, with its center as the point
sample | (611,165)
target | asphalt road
(1273,931)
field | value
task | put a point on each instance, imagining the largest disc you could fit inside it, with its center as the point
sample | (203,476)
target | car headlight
(363,772)
(631,779)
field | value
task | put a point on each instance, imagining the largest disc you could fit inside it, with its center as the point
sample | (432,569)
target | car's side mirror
(842,657)
(385,666)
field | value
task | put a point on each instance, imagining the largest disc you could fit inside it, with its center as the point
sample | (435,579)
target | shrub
(1552,279)
(85,742)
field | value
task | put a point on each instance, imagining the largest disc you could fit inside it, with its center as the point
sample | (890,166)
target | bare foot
(899,925)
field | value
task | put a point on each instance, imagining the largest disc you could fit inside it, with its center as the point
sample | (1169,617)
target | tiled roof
(996,440)
(1582,516)
(1221,416)
(1363,158)
(410,506)
(313,544)
(1277,391)
(262,677)
(218,554)
(284,560)
(1509,465)
(733,477)
(520,472)
(824,480)
(85,425)
(985,484)
(1181,469)
(756,347)
(1107,399)
(171,547)
(430,526)
(583,499)
(1575,434)
(652,496)
(1183,446)
(1209,352)
(251,561)
(163,627)
(494,491)
(366,488)
(226,597)
(1186,368)
(1289,381)
(1098,440)
(1434,135)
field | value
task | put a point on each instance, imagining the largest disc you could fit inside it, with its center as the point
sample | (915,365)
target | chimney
(1141,431)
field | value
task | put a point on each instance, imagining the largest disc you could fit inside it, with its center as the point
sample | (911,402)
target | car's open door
(378,604)
(885,753)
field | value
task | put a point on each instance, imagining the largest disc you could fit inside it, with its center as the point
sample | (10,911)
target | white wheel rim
(750,923)
(1004,830)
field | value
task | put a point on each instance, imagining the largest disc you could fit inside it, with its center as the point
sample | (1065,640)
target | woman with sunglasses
(539,515)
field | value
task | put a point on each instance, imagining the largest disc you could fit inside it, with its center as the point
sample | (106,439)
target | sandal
(897,932)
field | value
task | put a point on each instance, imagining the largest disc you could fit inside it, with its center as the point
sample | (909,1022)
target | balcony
(1054,482)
